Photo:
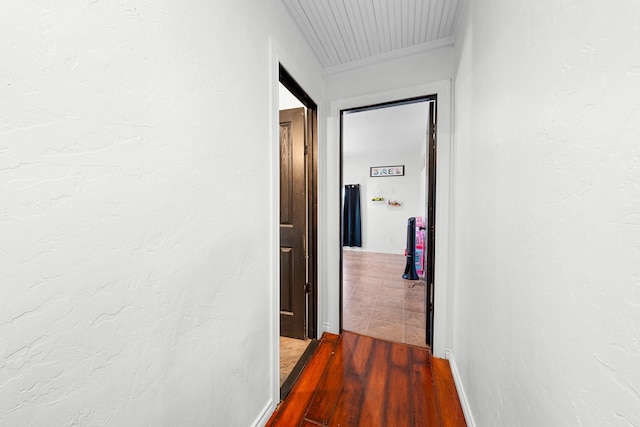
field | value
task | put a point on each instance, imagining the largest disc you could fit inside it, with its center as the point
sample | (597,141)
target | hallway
(140,197)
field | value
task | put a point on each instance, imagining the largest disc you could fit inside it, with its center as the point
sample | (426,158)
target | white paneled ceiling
(346,31)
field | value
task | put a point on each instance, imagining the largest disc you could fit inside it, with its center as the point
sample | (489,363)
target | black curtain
(351,222)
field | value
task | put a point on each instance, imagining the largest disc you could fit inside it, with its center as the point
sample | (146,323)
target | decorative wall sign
(377,171)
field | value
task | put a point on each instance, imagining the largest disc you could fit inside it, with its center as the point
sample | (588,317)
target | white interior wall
(384,227)
(547,213)
(137,210)
(406,71)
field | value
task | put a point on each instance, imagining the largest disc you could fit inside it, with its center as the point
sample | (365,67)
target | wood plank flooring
(355,380)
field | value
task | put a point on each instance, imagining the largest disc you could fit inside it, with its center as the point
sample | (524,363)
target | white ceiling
(400,128)
(341,32)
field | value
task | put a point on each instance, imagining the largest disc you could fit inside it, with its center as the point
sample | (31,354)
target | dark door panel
(293,212)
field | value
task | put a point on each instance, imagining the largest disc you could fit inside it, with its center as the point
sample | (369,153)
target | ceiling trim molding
(394,54)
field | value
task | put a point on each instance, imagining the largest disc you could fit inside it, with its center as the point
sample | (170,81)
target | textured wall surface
(135,211)
(547,212)
(416,69)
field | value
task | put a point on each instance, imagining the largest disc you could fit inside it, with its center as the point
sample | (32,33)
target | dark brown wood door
(293,213)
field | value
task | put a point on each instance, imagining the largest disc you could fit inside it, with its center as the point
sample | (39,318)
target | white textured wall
(136,211)
(546,309)
(412,70)
(384,227)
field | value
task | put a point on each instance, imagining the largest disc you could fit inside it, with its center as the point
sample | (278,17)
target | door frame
(311,192)
(430,197)
(444,214)
(308,75)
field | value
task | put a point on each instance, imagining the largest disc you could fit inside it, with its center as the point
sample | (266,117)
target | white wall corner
(274,273)
(466,409)
(444,212)
(282,7)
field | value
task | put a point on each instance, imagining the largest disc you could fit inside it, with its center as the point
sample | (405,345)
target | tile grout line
(402,325)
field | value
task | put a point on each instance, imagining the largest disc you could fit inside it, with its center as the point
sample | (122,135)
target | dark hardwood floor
(355,380)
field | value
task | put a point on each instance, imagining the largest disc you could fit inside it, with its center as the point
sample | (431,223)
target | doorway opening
(298,229)
(388,156)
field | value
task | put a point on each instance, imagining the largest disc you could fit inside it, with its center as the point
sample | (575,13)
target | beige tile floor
(378,302)
(290,352)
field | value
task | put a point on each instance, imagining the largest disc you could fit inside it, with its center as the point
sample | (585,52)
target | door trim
(431,142)
(311,165)
(305,73)
(443,246)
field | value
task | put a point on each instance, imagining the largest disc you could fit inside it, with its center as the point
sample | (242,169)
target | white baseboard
(265,414)
(461,393)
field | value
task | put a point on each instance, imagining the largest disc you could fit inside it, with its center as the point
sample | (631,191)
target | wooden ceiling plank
(404,21)
(424,20)
(355,20)
(324,35)
(369,20)
(442,31)
(309,31)
(380,16)
(384,27)
(456,18)
(363,20)
(336,17)
(453,13)
(340,44)
(437,21)
(431,19)
(343,31)
(415,20)
(392,29)
(346,29)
